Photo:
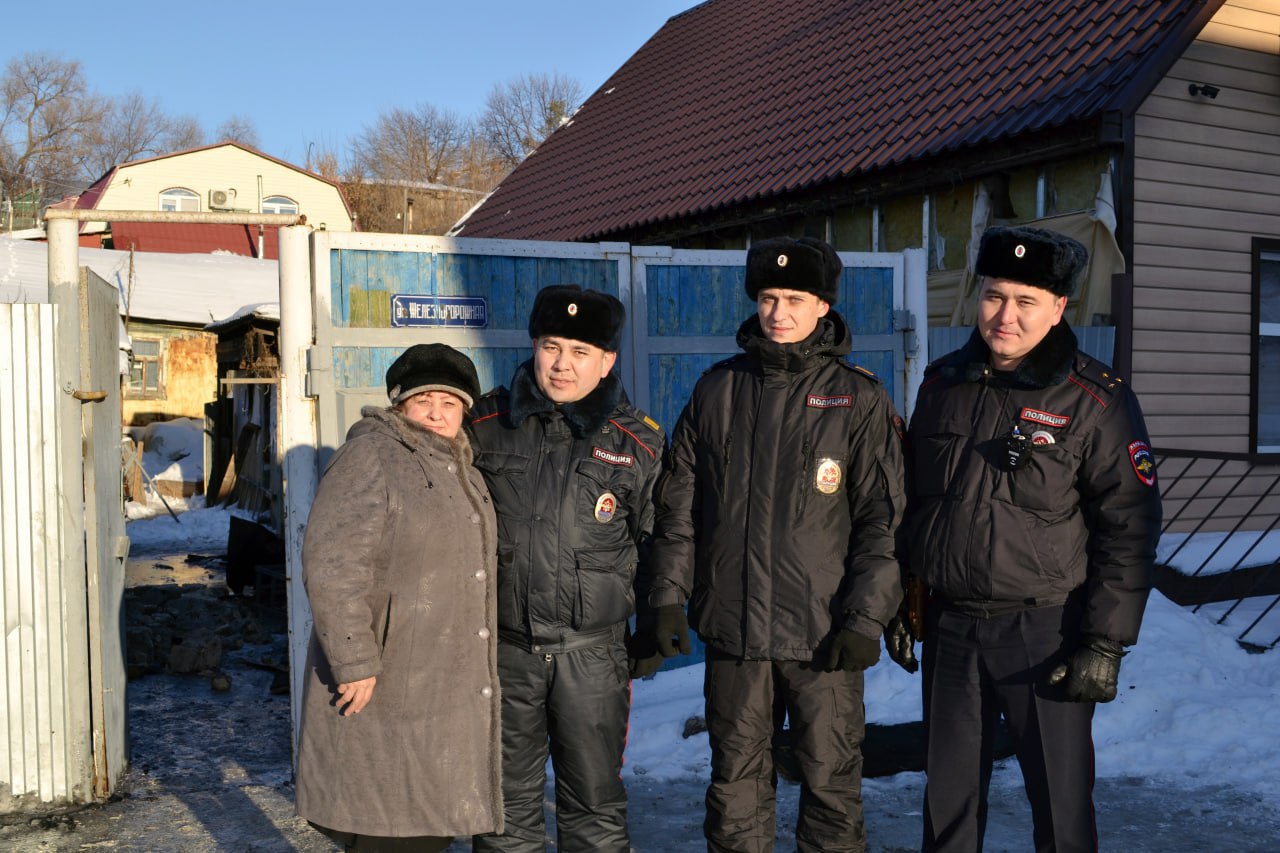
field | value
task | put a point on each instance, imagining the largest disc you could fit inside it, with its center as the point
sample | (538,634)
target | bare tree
(521,113)
(240,129)
(423,145)
(183,132)
(132,127)
(46,112)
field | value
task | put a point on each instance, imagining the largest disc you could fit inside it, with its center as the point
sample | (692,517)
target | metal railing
(1222,503)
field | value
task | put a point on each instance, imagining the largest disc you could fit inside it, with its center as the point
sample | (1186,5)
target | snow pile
(1194,709)
(172,452)
(197,529)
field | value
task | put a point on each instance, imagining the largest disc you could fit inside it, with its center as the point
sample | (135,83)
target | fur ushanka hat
(805,264)
(1033,256)
(432,367)
(569,311)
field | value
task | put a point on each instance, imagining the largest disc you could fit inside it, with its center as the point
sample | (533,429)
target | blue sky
(320,72)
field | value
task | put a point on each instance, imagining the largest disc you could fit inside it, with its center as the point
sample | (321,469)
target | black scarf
(585,416)
(1048,363)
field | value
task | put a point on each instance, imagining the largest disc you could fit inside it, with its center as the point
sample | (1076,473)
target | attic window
(279,204)
(180,200)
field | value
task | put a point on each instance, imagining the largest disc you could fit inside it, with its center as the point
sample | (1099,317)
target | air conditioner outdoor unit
(222,199)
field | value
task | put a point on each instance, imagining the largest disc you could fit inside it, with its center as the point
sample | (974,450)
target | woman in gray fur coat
(399,745)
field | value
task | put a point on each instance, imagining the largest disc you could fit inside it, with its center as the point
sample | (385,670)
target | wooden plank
(1197,198)
(1153,252)
(1179,151)
(1196,427)
(104,531)
(1245,39)
(1148,360)
(1185,403)
(1264,21)
(1211,224)
(1193,344)
(1234,284)
(1202,319)
(1194,384)
(1201,175)
(1232,300)
(1242,141)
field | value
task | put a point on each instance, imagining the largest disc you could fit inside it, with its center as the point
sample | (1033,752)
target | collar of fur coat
(410,434)
(1049,363)
(585,416)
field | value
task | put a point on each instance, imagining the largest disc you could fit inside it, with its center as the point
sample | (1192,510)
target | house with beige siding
(226,177)
(1149,129)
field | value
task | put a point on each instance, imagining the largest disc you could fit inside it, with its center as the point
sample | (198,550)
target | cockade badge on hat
(783,260)
(572,309)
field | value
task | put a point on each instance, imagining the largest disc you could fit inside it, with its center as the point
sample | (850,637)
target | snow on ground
(1211,553)
(1195,709)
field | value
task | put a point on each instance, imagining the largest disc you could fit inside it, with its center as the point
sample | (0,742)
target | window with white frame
(1267,372)
(279,204)
(177,199)
(144,368)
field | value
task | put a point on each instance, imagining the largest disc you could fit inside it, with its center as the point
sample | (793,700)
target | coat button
(483,633)
(475,518)
(480,574)
(486,692)
(452,468)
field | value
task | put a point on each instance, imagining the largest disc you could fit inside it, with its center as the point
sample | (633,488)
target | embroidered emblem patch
(816,402)
(1046,418)
(828,476)
(606,507)
(1144,463)
(622,459)
(1042,437)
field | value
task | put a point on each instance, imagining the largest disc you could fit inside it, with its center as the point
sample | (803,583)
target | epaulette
(859,369)
(649,423)
(1099,374)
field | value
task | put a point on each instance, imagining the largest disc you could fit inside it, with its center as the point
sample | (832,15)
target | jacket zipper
(806,473)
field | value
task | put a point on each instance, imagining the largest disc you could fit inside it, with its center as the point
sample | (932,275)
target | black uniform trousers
(574,706)
(826,716)
(975,670)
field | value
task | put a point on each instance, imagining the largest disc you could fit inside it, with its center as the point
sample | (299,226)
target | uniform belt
(984,609)
(566,642)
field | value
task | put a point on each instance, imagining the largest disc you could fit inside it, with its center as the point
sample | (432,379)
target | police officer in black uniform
(571,467)
(1033,518)
(777,513)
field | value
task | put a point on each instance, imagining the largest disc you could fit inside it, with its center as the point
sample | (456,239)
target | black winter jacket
(1083,516)
(779,502)
(572,486)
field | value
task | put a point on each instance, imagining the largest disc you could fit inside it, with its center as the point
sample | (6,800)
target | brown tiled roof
(735,100)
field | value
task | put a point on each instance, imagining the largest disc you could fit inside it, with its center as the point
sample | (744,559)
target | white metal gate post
(70,675)
(916,302)
(297,442)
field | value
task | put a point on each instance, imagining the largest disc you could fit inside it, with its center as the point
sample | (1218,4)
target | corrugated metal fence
(62,738)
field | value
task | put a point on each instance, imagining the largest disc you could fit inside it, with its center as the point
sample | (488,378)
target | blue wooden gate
(375,294)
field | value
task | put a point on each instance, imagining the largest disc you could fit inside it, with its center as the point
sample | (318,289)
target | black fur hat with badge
(805,264)
(432,367)
(1034,256)
(569,311)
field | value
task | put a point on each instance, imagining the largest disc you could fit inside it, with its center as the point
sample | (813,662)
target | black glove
(852,652)
(644,667)
(901,644)
(643,659)
(671,631)
(1091,672)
